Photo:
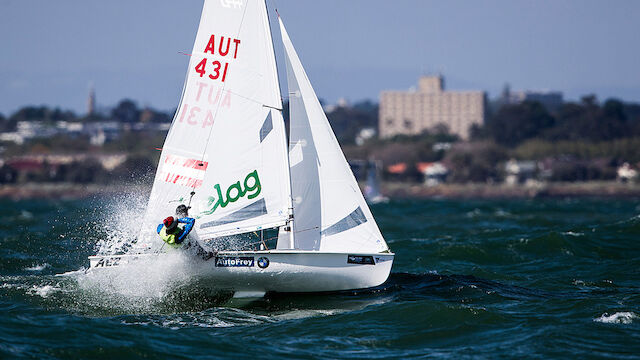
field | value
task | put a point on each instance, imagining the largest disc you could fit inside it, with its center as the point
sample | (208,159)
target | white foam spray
(139,285)
(624,317)
(37,267)
(120,224)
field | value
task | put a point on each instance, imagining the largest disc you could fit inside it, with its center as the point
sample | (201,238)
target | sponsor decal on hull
(360,259)
(235,261)
(108,262)
(263,262)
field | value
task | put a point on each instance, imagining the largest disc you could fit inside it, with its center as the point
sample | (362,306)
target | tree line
(126,111)
(581,140)
(586,120)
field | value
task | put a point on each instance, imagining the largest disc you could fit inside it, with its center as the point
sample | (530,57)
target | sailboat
(372,188)
(226,156)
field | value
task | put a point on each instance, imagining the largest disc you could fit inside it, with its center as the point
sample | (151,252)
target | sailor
(182,211)
(174,229)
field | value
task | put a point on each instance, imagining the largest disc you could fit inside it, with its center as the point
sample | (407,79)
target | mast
(289,243)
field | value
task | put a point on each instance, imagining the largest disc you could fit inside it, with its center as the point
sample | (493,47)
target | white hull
(276,270)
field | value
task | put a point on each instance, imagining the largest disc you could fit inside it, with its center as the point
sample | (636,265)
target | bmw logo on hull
(263,262)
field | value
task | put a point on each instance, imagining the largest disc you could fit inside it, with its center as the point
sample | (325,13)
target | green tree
(513,124)
(475,162)
(7,125)
(588,121)
(347,121)
(126,111)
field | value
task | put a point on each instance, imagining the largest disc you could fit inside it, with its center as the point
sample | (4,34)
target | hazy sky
(52,50)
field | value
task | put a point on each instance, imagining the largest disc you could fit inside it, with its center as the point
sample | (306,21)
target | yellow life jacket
(170,238)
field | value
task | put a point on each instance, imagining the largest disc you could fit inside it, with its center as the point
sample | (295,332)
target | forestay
(227,141)
(330,212)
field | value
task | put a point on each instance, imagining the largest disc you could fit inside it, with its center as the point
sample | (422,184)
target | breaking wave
(38,267)
(625,317)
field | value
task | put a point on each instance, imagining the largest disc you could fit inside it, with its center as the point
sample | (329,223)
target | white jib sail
(330,212)
(227,140)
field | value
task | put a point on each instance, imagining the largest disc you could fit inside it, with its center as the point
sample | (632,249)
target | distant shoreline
(65,191)
(503,191)
(392,189)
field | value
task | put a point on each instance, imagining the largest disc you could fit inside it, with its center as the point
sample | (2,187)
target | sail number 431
(218,69)
(215,74)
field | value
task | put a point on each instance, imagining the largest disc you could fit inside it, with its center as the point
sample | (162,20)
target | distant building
(551,100)
(91,101)
(626,173)
(518,172)
(12,137)
(430,108)
(365,134)
(37,162)
(435,173)
(342,103)
(397,169)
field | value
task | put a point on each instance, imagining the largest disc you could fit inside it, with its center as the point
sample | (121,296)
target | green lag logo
(234,192)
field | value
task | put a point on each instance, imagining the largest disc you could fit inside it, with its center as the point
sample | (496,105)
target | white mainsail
(331,214)
(227,140)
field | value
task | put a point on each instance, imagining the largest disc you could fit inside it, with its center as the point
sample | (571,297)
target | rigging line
(247,98)
(206,145)
(250,99)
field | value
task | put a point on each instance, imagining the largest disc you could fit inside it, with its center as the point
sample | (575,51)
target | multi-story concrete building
(552,100)
(429,107)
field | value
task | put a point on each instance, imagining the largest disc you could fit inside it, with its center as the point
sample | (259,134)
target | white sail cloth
(227,140)
(331,214)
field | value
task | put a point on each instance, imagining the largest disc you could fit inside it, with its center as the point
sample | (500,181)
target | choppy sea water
(553,278)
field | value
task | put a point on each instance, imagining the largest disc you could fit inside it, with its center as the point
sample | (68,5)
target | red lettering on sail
(202,117)
(237,42)
(211,45)
(200,86)
(194,111)
(208,120)
(184,111)
(216,70)
(224,52)
(183,171)
(224,73)
(200,68)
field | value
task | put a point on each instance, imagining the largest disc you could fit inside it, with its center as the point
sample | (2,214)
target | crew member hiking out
(174,230)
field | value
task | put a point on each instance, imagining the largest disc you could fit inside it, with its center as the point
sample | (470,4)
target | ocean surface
(550,278)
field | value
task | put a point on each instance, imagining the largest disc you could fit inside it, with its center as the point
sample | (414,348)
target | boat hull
(276,271)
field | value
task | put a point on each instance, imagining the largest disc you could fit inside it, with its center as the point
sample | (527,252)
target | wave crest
(624,317)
